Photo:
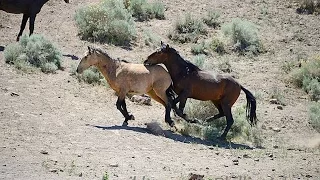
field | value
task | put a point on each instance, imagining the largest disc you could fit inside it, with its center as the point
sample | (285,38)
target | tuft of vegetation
(309,7)
(199,60)
(244,36)
(315,115)
(212,19)
(216,45)
(108,22)
(188,29)
(105,176)
(225,66)
(34,51)
(142,10)
(200,48)
(151,39)
(307,77)
(277,94)
(91,76)
(201,110)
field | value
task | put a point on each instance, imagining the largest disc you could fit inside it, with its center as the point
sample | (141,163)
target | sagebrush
(307,77)
(91,76)
(309,6)
(34,51)
(188,29)
(315,115)
(108,22)
(244,36)
(212,19)
(143,10)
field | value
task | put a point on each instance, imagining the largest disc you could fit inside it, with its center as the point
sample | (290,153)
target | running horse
(189,81)
(129,78)
(29,9)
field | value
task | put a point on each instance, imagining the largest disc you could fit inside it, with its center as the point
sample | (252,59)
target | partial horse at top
(190,81)
(29,9)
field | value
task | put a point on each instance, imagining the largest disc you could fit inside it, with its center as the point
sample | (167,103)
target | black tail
(251,107)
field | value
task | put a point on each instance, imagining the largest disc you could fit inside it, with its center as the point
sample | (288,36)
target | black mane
(190,66)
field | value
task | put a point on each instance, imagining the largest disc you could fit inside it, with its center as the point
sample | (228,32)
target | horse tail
(251,107)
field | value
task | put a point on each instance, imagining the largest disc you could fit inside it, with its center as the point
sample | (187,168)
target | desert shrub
(188,29)
(151,39)
(277,94)
(91,76)
(199,48)
(142,10)
(216,45)
(108,22)
(315,115)
(225,66)
(212,19)
(244,36)
(307,77)
(34,51)
(309,7)
(199,60)
(196,109)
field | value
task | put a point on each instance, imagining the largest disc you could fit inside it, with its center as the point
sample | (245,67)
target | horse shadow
(2,48)
(178,137)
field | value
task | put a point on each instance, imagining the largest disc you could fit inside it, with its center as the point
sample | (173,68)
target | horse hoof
(132,117)
(125,123)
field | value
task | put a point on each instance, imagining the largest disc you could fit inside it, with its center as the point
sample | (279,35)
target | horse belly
(14,7)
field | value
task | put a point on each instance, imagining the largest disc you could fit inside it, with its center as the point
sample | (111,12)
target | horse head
(89,59)
(162,55)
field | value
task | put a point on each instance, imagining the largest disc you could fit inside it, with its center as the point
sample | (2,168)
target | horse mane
(190,66)
(107,55)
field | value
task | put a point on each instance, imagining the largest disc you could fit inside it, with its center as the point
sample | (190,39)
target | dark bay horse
(189,81)
(29,9)
(129,78)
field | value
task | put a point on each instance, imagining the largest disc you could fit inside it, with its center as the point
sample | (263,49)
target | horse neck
(107,66)
(175,67)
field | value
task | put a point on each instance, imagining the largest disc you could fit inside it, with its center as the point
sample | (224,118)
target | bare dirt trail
(53,127)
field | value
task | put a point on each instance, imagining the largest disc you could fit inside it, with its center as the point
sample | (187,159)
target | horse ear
(89,48)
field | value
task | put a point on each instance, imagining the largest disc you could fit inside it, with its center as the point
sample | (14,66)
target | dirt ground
(53,127)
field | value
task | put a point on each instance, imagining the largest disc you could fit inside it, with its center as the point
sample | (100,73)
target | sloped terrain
(53,127)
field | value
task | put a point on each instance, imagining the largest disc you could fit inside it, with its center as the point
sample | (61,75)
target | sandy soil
(53,127)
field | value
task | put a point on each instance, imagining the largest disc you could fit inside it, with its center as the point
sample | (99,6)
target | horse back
(21,6)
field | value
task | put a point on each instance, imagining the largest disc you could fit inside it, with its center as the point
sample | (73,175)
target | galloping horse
(189,81)
(124,78)
(29,9)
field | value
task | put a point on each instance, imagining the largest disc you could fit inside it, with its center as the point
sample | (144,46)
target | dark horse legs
(122,107)
(25,18)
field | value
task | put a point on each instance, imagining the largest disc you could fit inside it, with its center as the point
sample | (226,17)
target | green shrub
(108,22)
(315,115)
(225,66)
(34,51)
(91,76)
(198,60)
(144,11)
(244,36)
(188,29)
(151,39)
(216,45)
(309,7)
(212,19)
(196,109)
(308,77)
(200,48)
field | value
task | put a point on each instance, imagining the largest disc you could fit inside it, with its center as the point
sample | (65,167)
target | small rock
(270,155)
(264,127)
(80,175)
(276,146)
(44,152)
(79,155)
(207,167)
(54,170)
(114,165)
(235,162)
(225,165)
(217,153)
(308,176)
(13,94)
(246,156)
(276,129)
(280,107)
(274,101)
(4,165)
(141,99)
(195,176)
(256,159)
(273,169)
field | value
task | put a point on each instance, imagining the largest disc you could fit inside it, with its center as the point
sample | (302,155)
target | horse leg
(219,115)
(23,25)
(121,106)
(182,99)
(163,99)
(31,23)
(227,111)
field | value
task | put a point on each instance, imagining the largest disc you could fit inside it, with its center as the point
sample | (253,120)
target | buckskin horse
(189,81)
(29,9)
(124,78)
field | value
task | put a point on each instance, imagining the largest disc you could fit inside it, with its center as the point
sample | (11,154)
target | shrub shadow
(73,57)
(2,48)
(178,137)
